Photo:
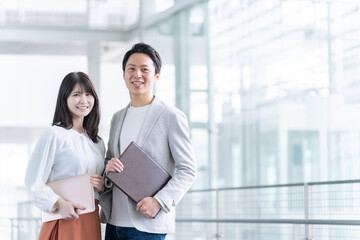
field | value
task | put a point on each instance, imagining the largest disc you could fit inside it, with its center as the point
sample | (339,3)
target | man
(162,132)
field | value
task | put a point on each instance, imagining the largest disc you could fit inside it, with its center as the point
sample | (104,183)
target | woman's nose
(83,98)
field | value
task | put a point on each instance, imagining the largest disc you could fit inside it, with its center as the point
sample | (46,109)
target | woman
(69,148)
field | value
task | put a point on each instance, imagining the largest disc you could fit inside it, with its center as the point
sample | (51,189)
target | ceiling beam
(34,48)
(62,34)
(28,33)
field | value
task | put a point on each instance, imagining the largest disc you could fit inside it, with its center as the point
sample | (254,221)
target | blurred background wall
(271,88)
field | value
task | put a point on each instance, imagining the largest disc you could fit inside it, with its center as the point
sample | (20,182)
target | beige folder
(76,189)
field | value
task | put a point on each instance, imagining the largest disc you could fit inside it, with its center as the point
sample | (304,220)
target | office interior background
(271,89)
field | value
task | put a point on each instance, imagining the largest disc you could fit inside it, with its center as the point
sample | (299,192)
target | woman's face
(79,102)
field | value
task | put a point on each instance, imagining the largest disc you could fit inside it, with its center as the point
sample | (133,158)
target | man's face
(139,75)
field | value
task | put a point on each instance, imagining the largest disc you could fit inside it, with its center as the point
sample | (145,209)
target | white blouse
(60,153)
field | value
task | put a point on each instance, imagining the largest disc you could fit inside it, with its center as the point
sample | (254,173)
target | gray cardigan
(165,137)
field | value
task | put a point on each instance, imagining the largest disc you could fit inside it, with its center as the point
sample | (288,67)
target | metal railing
(315,210)
(20,228)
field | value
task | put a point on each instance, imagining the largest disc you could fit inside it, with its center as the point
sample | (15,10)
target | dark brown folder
(142,176)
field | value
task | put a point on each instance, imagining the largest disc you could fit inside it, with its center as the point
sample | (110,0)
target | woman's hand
(114,165)
(97,182)
(67,209)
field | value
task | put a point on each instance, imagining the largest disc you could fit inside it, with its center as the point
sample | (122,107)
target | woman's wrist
(59,202)
(102,190)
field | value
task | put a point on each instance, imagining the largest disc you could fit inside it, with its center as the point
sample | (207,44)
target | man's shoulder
(170,110)
(120,112)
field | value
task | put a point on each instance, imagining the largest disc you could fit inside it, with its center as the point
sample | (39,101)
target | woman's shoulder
(51,134)
(101,145)
(55,132)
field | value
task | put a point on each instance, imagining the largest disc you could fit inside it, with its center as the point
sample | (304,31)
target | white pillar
(93,53)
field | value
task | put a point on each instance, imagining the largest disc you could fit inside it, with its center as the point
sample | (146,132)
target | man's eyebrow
(144,65)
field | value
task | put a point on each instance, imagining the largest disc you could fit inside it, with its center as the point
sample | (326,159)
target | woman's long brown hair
(62,115)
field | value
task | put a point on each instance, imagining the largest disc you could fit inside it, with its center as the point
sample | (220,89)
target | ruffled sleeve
(39,169)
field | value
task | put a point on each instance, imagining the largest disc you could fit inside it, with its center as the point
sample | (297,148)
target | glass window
(201,155)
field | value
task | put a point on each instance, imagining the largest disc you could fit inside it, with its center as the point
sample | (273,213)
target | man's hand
(148,207)
(114,165)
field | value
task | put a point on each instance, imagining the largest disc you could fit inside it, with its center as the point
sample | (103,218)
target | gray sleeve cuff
(163,206)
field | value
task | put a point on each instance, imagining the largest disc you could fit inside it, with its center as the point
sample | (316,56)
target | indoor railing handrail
(273,221)
(277,185)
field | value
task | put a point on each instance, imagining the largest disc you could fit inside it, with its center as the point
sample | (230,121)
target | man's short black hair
(146,49)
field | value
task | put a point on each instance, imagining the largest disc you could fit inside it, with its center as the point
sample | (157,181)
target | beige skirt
(86,227)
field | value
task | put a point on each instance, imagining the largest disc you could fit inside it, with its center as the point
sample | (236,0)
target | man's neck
(140,101)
